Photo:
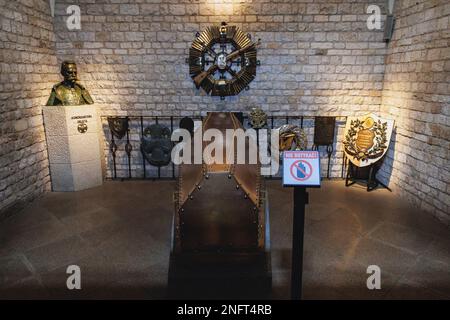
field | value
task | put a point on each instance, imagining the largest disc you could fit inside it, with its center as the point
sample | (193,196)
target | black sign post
(300,201)
(301,170)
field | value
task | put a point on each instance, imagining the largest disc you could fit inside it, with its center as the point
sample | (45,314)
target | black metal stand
(300,201)
(128,149)
(113,148)
(329,149)
(372,182)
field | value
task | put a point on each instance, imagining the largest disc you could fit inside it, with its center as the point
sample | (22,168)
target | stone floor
(119,235)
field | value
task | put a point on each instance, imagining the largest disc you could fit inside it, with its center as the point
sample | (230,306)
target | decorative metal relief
(82,127)
(118,126)
(156,145)
(367,138)
(222,60)
(257,118)
(292,137)
(324,136)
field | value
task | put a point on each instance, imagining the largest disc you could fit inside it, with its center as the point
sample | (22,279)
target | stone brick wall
(316,58)
(27,71)
(417,95)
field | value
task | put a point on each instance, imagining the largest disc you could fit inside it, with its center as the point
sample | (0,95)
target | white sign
(301,168)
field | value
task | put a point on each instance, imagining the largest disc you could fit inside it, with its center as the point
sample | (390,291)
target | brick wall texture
(317,58)
(28,67)
(416,94)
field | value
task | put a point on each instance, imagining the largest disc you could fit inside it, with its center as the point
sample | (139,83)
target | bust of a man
(69,92)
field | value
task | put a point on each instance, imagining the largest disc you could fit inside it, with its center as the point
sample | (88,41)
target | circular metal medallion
(82,127)
(222,60)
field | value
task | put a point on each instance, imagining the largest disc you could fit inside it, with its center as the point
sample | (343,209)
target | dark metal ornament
(156,146)
(324,136)
(239,116)
(324,130)
(257,118)
(118,126)
(113,148)
(222,60)
(187,123)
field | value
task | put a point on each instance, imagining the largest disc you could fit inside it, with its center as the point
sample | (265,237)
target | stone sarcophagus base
(73,143)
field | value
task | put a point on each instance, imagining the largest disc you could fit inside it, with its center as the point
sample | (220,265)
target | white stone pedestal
(73,147)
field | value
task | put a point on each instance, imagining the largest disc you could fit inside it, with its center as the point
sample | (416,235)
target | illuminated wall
(316,58)
(417,95)
(28,71)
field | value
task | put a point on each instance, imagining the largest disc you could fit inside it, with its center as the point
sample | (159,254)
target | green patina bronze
(69,92)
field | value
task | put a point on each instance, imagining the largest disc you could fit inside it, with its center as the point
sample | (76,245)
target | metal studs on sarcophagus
(221,245)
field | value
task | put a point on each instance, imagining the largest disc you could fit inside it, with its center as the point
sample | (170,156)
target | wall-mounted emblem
(257,118)
(292,137)
(81,122)
(156,145)
(222,60)
(118,126)
(367,138)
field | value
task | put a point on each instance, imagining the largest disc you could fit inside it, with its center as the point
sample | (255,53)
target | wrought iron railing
(125,160)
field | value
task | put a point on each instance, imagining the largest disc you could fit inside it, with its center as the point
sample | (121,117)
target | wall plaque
(324,130)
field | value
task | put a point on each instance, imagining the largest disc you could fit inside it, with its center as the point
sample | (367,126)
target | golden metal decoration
(69,92)
(222,60)
(292,137)
(258,118)
(366,139)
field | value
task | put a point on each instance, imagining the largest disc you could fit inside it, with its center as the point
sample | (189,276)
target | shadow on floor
(119,235)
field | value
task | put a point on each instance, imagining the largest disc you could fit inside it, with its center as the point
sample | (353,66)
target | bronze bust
(69,92)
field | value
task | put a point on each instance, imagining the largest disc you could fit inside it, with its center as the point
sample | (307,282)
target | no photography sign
(301,168)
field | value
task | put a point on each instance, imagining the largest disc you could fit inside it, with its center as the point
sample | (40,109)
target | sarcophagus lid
(218,207)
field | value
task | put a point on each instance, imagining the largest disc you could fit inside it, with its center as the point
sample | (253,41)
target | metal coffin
(221,226)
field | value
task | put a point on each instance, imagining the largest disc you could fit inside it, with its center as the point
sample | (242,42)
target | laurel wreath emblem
(380,143)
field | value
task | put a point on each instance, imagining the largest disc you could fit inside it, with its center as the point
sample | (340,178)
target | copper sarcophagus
(220,243)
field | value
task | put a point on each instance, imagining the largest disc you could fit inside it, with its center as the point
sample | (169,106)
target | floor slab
(120,236)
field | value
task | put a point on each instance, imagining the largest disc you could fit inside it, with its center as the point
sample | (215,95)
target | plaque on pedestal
(73,143)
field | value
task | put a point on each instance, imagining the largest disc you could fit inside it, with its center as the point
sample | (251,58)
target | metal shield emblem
(257,118)
(82,127)
(367,138)
(156,146)
(118,126)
